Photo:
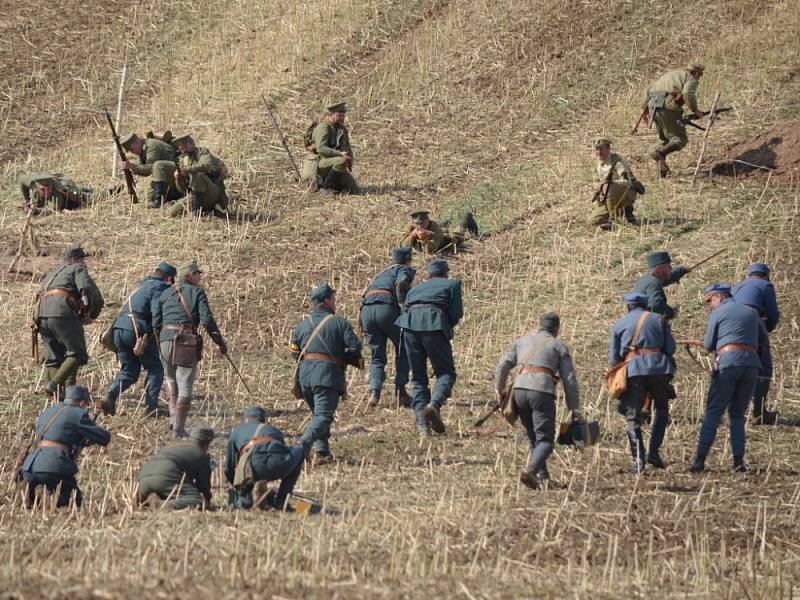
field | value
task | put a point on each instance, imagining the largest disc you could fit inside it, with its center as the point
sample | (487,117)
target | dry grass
(487,105)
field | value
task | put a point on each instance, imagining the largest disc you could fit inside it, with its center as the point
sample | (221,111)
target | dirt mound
(776,150)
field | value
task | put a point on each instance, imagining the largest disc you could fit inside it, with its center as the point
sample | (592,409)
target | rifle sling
(185,306)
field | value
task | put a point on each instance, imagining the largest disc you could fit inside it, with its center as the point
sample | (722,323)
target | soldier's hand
(347,155)
(499,395)
(424,235)
(125,165)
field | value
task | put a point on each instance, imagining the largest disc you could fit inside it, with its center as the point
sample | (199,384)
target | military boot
(158,188)
(374,398)
(65,375)
(109,405)
(661,160)
(630,217)
(403,399)
(699,464)
(469,224)
(197,204)
(435,418)
(654,458)
(529,479)
(329,184)
(181,412)
(738,465)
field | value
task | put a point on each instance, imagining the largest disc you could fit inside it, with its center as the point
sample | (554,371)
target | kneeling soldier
(134,323)
(180,473)
(62,430)
(735,333)
(616,184)
(434,307)
(202,175)
(325,344)
(270,459)
(426,235)
(644,340)
(380,307)
(330,156)
(543,359)
(157,159)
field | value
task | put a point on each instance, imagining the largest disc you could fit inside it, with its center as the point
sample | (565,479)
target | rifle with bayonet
(601,193)
(706,259)
(690,119)
(280,135)
(121,151)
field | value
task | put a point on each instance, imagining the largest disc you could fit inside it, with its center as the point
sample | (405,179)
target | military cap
(167,268)
(189,268)
(759,268)
(549,321)
(419,214)
(658,258)
(338,107)
(42,178)
(697,67)
(717,288)
(182,139)
(401,254)
(636,298)
(202,434)
(73,252)
(322,292)
(127,141)
(77,392)
(600,142)
(255,411)
(438,266)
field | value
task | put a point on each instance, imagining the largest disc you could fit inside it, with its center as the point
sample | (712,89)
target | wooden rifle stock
(705,260)
(280,135)
(601,195)
(121,151)
(645,111)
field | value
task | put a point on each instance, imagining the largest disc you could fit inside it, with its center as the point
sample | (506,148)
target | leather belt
(262,439)
(526,370)
(58,292)
(378,291)
(423,305)
(178,326)
(740,347)
(52,444)
(319,356)
(641,352)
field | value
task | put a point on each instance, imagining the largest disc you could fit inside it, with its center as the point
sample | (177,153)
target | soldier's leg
(54,354)
(289,480)
(334,170)
(599,215)
(162,183)
(543,415)
(761,414)
(318,430)
(69,333)
(522,399)
(184,377)
(719,397)
(630,406)
(744,386)
(418,362)
(376,340)
(179,207)
(401,367)
(155,373)
(440,353)
(347,183)
(130,367)
(189,497)
(170,374)
(65,486)
(661,391)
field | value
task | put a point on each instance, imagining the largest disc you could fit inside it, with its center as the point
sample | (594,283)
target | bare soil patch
(777,150)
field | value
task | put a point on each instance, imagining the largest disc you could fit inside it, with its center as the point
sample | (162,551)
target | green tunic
(181,470)
(66,193)
(158,159)
(205,177)
(171,311)
(331,142)
(620,192)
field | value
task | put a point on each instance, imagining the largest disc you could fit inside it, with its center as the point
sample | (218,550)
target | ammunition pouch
(140,347)
(187,349)
(638,186)
(107,339)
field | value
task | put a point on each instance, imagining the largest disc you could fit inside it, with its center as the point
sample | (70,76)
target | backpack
(308,136)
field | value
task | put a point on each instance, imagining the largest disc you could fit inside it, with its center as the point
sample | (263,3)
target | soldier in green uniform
(67,300)
(334,161)
(38,189)
(158,160)
(179,474)
(664,102)
(325,344)
(202,175)
(426,235)
(182,308)
(270,459)
(63,429)
(380,306)
(622,188)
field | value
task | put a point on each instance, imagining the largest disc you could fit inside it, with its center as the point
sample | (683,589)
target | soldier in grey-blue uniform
(324,358)
(135,321)
(734,333)
(63,428)
(380,307)
(271,459)
(652,284)
(546,358)
(433,309)
(651,365)
(758,293)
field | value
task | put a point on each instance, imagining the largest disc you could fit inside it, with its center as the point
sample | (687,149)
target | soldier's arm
(710,339)
(25,190)
(155,308)
(668,347)
(294,343)
(204,163)
(614,349)
(88,289)
(507,362)
(205,314)
(92,431)
(203,478)
(320,137)
(437,241)
(623,171)
(158,312)
(771,307)
(231,455)
(658,302)
(677,274)
(456,310)
(566,369)
(352,344)
(408,241)
(403,283)
(142,169)
(690,94)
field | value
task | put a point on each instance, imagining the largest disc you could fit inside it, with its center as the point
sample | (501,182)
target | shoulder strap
(184,305)
(314,334)
(375,277)
(39,438)
(638,330)
(531,352)
(53,276)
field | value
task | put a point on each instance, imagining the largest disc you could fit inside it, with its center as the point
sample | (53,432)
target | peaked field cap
(401,253)
(77,392)
(322,292)
(550,321)
(717,288)
(658,258)
(601,142)
(438,266)
(167,268)
(337,107)
(202,434)
(698,67)
(182,138)
(635,298)
(761,268)
(127,141)
(255,411)
(74,251)
(419,213)
(188,268)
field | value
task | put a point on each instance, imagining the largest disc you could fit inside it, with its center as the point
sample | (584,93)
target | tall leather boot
(197,204)
(67,371)
(158,188)
(181,412)
(172,400)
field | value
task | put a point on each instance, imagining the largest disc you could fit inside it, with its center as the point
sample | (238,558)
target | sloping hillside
(488,106)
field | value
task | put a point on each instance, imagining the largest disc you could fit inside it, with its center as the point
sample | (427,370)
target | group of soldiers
(616,188)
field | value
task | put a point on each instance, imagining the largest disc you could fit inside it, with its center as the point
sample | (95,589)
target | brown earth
(777,150)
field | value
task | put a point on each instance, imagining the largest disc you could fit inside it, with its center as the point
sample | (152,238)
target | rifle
(645,112)
(705,260)
(689,119)
(601,196)
(280,134)
(487,415)
(235,370)
(690,343)
(121,151)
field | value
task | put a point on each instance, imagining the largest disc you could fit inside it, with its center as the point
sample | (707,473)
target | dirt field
(483,106)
